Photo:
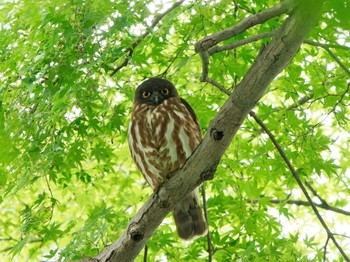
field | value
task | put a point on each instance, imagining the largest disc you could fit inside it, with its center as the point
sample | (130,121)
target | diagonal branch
(330,52)
(207,46)
(217,49)
(339,62)
(129,51)
(324,202)
(302,187)
(209,41)
(202,164)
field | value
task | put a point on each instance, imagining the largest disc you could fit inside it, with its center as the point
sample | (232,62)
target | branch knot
(136,232)
(208,174)
(216,134)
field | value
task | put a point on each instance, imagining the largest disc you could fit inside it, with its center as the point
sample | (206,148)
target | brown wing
(190,109)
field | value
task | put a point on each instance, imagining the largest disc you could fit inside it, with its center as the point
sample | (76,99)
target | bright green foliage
(68,184)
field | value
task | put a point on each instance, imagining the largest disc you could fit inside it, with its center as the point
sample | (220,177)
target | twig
(52,197)
(218,85)
(210,252)
(301,101)
(297,178)
(29,242)
(325,250)
(129,51)
(145,254)
(187,39)
(340,63)
(330,52)
(216,49)
(314,43)
(306,203)
(341,235)
(324,202)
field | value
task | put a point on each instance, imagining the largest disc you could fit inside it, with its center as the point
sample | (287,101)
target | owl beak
(157,98)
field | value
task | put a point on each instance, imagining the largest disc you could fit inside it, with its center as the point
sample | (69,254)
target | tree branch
(336,59)
(306,203)
(297,178)
(202,163)
(325,250)
(324,202)
(314,43)
(210,251)
(209,41)
(216,49)
(327,48)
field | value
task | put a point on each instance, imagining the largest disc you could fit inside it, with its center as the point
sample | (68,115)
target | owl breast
(162,139)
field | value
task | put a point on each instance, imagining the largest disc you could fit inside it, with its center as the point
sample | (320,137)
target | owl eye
(146,94)
(165,91)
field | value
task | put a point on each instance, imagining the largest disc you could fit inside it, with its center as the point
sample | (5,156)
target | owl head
(154,91)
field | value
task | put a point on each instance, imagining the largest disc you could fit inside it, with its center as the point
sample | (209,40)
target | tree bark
(203,162)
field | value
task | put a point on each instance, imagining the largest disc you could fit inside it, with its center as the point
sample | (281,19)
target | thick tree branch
(209,41)
(301,185)
(202,164)
(129,51)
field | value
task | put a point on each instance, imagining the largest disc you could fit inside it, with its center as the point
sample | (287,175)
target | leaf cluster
(68,185)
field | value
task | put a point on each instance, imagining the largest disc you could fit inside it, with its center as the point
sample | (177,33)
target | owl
(163,133)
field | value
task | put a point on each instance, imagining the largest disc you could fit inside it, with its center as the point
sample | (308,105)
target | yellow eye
(165,91)
(146,94)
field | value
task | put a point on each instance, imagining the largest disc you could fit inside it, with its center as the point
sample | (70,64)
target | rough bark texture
(202,164)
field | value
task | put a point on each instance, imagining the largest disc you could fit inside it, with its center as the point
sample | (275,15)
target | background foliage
(68,185)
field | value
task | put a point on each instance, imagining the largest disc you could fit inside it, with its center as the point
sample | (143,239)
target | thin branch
(325,250)
(216,49)
(171,63)
(210,252)
(330,52)
(52,197)
(339,62)
(248,22)
(341,235)
(145,254)
(129,51)
(301,101)
(306,203)
(38,240)
(218,85)
(8,239)
(302,187)
(324,202)
(314,43)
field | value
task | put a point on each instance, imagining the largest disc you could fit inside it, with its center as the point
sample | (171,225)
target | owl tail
(189,218)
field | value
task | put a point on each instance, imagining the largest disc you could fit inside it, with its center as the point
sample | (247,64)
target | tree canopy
(68,72)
